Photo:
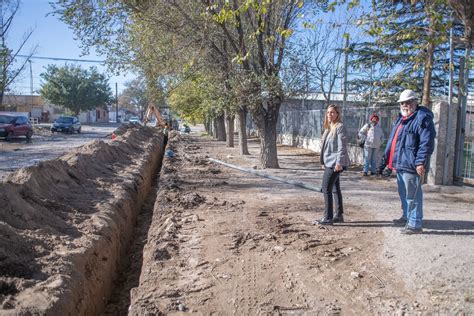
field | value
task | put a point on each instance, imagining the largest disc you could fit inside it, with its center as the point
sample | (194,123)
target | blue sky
(54,39)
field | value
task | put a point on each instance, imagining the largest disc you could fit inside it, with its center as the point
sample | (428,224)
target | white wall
(356,154)
(88,117)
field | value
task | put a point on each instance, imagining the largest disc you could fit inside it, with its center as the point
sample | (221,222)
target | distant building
(46,112)
(124,114)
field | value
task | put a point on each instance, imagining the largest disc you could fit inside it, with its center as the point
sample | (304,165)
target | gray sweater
(334,147)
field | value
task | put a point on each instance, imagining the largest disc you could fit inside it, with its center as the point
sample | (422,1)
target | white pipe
(295,183)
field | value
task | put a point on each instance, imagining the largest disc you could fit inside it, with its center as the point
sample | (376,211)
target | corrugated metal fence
(467,165)
(308,124)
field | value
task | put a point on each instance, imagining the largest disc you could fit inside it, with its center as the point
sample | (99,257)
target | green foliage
(163,38)
(188,101)
(75,88)
(202,95)
(398,50)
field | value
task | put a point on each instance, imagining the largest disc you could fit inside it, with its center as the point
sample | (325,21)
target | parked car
(15,125)
(66,124)
(134,120)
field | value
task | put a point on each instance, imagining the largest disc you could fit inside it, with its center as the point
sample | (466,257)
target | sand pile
(64,223)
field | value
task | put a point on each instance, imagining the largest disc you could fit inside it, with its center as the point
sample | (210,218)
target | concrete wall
(356,154)
(442,161)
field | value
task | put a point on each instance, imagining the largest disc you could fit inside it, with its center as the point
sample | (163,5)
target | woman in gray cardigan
(334,159)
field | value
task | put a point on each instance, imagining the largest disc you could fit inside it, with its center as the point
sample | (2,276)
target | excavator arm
(152,110)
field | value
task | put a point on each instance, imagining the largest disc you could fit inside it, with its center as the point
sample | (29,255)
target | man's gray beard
(404,112)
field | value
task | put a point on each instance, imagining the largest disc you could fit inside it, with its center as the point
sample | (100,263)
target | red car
(15,125)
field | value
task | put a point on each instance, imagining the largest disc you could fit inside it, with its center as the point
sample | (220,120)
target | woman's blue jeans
(411,197)
(370,159)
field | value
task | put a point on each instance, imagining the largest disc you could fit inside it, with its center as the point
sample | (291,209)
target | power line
(63,59)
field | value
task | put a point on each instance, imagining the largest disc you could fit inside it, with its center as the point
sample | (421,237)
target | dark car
(15,125)
(66,124)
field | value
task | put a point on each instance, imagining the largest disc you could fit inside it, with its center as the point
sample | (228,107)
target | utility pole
(31,87)
(371,81)
(31,77)
(450,102)
(116,103)
(462,100)
(346,60)
(3,56)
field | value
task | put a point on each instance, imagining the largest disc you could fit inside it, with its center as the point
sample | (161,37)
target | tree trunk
(243,147)
(214,128)
(208,125)
(211,127)
(430,48)
(229,122)
(428,73)
(266,121)
(220,128)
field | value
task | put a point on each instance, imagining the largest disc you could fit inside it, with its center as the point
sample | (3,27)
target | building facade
(41,110)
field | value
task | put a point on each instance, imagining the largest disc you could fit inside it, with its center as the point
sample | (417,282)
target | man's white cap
(407,95)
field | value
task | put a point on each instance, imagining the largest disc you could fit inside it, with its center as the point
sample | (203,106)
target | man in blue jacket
(408,151)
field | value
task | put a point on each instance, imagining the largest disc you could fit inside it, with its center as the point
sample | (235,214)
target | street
(44,145)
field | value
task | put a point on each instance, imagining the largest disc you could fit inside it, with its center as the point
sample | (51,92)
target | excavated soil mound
(64,223)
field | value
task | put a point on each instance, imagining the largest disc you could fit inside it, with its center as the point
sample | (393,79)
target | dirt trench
(66,224)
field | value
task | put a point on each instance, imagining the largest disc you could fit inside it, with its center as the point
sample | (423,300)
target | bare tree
(134,95)
(8,73)
(324,51)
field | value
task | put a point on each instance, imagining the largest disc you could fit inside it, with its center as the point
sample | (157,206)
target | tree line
(217,59)
(214,60)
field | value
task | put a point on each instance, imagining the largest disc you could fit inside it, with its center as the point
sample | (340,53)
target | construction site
(141,203)
(131,226)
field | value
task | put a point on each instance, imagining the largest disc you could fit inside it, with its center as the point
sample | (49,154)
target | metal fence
(308,123)
(467,166)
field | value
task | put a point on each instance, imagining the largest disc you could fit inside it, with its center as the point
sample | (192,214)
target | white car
(134,120)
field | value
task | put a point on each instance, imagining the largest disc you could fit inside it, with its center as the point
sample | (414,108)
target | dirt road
(226,242)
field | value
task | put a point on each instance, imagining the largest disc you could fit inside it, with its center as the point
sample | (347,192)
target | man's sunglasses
(406,102)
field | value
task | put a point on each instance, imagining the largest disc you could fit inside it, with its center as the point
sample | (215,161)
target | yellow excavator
(152,110)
